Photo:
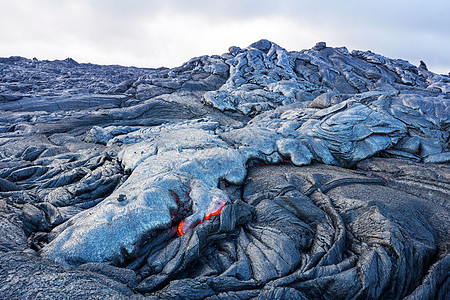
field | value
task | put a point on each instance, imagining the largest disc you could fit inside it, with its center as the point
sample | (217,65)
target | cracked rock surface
(257,174)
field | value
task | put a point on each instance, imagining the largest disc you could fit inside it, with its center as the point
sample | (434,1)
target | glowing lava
(207,217)
(180,228)
(214,213)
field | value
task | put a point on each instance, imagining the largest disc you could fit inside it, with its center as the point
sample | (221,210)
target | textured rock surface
(257,174)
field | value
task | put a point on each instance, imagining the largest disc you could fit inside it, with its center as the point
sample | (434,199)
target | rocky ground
(256,174)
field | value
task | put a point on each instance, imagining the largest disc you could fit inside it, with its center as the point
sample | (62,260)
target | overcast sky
(150,33)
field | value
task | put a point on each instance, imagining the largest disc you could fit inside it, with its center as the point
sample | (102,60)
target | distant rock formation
(260,173)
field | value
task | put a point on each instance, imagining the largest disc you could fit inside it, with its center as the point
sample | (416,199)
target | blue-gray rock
(258,174)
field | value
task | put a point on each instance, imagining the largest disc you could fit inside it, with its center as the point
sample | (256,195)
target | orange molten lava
(214,213)
(180,228)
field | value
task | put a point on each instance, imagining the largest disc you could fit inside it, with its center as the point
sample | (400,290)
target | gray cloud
(154,33)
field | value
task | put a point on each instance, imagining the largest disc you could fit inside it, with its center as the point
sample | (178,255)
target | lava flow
(180,228)
(207,217)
